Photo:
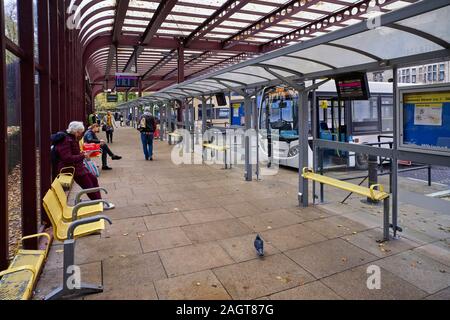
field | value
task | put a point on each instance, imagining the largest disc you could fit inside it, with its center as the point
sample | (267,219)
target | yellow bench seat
(215,147)
(364,191)
(18,281)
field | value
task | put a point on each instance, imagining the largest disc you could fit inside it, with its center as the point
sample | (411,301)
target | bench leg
(386,219)
(62,293)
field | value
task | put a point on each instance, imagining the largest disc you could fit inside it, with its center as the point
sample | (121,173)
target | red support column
(181,62)
(62,65)
(4,224)
(27,114)
(44,103)
(54,61)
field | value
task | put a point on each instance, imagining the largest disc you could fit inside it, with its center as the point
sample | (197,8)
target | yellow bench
(370,192)
(19,280)
(66,178)
(173,134)
(81,209)
(218,148)
(69,232)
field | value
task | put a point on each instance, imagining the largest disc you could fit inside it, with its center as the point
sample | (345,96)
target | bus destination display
(353,86)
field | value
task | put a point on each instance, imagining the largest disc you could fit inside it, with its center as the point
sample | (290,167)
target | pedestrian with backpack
(147,127)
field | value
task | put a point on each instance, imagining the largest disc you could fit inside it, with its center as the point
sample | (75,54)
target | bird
(259,245)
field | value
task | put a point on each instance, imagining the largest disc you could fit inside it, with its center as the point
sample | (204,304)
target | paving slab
(206,215)
(260,277)
(192,258)
(271,220)
(311,291)
(441,295)
(124,226)
(439,251)
(328,257)
(163,239)
(130,277)
(292,237)
(128,212)
(94,249)
(242,209)
(352,285)
(242,248)
(368,240)
(216,230)
(310,213)
(336,226)
(201,285)
(163,221)
(418,269)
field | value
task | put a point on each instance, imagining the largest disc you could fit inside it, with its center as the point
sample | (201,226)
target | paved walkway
(186,232)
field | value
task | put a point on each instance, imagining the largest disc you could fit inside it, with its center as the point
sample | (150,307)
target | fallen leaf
(125,234)
(59,251)
(198,284)
(269,227)
(344,259)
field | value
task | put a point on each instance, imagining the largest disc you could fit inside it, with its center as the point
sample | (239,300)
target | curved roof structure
(408,35)
(173,40)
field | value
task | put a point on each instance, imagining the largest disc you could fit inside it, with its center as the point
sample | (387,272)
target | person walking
(92,118)
(91,137)
(110,123)
(68,154)
(147,127)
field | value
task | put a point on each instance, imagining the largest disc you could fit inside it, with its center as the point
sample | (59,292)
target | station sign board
(111,97)
(424,119)
(127,80)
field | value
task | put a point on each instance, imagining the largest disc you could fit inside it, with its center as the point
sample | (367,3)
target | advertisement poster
(426,121)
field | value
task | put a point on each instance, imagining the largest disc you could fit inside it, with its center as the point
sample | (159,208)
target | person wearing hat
(147,127)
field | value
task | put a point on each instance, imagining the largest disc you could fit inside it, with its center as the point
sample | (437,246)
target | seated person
(91,137)
(68,154)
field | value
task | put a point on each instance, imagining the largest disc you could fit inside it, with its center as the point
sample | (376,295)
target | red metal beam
(54,61)
(160,15)
(180,64)
(121,12)
(28,130)
(44,102)
(321,24)
(284,12)
(4,223)
(226,10)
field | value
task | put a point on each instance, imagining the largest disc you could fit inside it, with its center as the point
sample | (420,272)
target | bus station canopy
(417,33)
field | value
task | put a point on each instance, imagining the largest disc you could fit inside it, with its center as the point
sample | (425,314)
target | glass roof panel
(99,24)
(100,15)
(396,43)
(139,14)
(246,16)
(152,5)
(427,23)
(258,71)
(265,9)
(173,17)
(296,64)
(326,6)
(193,10)
(334,56)
(248,79)
(214,3)
(102,30)
(95,7)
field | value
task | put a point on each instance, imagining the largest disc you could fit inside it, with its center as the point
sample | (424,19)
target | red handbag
(92,147)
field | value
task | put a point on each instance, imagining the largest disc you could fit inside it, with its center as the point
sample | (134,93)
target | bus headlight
(294,151)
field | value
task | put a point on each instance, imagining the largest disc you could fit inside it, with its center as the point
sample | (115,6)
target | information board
(352,86)
(111,97)
(425,119)
(126,80)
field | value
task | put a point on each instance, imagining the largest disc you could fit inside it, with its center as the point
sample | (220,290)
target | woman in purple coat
(69,155)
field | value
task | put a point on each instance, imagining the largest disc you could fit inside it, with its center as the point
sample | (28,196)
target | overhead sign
(424,119)
(127,80)
(352,86)
(111,97)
